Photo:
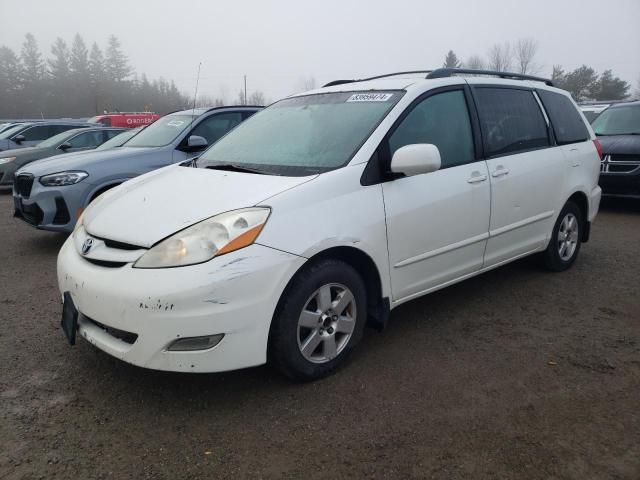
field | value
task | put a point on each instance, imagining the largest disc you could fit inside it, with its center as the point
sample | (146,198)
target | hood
(83,160)
(620,144)
(26,154)
(151,207)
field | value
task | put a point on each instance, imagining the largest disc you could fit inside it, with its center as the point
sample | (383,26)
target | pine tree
(59,64)
(609,87)
(451,60)
(79,59)
(117,66)
(10,81)
(33,66)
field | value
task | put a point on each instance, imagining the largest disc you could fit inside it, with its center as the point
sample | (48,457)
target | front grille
(62,212)
(126,337)
(23,184)
(105,263)
(620,164)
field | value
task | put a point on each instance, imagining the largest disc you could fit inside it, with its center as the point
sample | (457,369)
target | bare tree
(257,98)
(306,83)
(500,57)
(476,62)
(525,51)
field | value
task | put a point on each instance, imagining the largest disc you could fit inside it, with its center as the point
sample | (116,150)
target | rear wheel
(319,321)
(565,241)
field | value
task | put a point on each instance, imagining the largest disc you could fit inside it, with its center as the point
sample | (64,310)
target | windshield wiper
(230,167)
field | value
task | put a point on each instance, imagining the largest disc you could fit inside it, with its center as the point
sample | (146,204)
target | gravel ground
(518,373)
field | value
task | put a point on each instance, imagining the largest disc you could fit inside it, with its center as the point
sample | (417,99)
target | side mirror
(416,159)
(65,146)
(19,139)
(196,142)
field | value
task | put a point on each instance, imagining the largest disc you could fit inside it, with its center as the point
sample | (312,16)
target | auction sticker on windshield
(370,97)
(175,123)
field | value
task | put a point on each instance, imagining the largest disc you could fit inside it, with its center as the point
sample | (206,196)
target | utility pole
(245,89)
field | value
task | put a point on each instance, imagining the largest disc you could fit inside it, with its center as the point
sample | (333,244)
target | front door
(437,223)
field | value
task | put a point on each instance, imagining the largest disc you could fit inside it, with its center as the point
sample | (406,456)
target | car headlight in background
(63,178)
(7,160)
(209,238)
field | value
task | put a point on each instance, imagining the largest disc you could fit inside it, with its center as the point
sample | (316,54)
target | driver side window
(214,127)
(442,120)
(86,140)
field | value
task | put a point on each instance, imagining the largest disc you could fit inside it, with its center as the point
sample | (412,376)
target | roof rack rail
(342,82)
(450,72)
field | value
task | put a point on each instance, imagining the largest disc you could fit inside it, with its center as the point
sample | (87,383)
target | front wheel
(565,241)
(319,321)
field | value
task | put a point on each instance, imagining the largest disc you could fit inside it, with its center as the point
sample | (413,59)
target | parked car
(76,140)
(120,139)
(50,194)
(323,212)
(125,119)
(7,126)
(592,110)
(31,133)
(618,129)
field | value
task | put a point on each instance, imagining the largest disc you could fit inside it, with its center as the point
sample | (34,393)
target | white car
(324,212)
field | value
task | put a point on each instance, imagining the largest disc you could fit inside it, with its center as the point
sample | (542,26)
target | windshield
(618,121)
(162,132)
(590,115)
(10,131)
(56,139)
(303,135)
(119,139)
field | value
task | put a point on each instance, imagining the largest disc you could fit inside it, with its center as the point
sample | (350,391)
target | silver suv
(29,134)
(51,194)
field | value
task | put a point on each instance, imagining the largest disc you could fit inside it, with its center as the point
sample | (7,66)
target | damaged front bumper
(136,314)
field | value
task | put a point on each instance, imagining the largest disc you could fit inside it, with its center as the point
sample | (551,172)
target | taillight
(598,147)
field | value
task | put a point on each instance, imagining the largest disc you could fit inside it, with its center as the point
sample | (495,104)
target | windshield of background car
(119,139)
(618,121)
(162,132)
(11,131)
(303,135)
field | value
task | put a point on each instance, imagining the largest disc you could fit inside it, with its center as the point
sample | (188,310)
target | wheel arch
(378,307)
(101,189)
(582,201)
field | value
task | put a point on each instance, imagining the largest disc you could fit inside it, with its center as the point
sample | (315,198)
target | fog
(278,43)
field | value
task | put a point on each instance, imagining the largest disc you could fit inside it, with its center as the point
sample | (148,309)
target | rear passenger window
(442,120)
(565,119)
(511,120)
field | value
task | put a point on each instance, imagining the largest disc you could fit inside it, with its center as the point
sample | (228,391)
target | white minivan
(322,213)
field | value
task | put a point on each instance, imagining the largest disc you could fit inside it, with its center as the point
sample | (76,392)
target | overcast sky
(276,43)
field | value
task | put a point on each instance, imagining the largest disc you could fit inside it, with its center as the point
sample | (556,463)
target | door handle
(499,172)
(477,177)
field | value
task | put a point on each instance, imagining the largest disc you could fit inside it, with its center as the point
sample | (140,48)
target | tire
(566,236)
(319,320)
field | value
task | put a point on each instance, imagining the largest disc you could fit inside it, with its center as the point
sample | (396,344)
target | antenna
(195,95)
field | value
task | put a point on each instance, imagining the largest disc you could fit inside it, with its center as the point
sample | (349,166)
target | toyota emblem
(86,246)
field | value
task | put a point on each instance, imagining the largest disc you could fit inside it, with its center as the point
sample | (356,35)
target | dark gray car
(31,133)
(50,194)
(76,140)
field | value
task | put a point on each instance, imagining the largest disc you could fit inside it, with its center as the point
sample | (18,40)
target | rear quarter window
(511,120)
(566,121)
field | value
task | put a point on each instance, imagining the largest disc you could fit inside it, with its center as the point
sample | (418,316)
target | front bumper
(51,208)
(6,174)
(621,184)
(235,294)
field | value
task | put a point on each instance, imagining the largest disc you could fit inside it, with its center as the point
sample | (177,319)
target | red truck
(125,119)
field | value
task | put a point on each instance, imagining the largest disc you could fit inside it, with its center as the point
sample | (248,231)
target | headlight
(63,178)
(201,242)
(7,160)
